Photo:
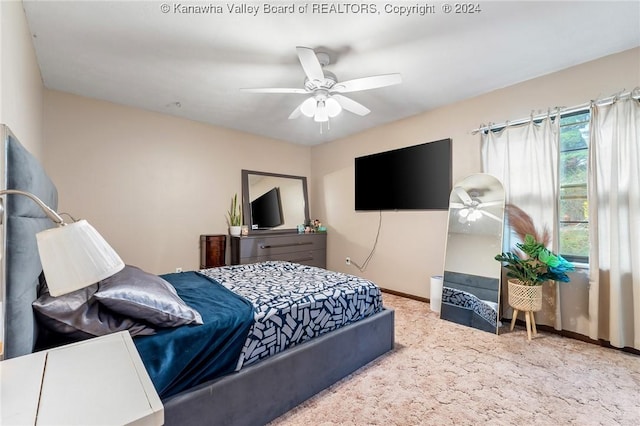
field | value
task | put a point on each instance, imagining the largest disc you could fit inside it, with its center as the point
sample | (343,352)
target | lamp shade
(75,256)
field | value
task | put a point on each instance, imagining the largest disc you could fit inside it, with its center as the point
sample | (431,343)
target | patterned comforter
(294,303)
(486,310)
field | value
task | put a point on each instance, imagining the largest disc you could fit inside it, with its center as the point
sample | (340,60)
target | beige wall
(411,244)
(21,88)
(152,183)
(21,92)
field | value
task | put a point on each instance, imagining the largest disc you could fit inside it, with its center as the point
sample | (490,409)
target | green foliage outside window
(573,204)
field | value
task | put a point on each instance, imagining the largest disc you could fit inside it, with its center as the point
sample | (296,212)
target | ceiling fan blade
(310,64)
(490,215)
(366,83)
(489,204)
(351,105)
(275,90)
(457,206)
(463,195)
(295,113)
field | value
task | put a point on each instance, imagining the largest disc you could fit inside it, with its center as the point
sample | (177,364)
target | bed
(470,300)
(253,389)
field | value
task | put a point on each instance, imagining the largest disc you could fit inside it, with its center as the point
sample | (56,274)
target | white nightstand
(100,381)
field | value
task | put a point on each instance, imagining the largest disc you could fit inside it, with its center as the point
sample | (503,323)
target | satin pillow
(79,315)
(137,294)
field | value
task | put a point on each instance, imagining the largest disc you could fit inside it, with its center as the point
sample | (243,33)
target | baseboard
(576,336)
(405,295)
(545,328)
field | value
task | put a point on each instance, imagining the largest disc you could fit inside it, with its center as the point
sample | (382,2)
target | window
(573,206)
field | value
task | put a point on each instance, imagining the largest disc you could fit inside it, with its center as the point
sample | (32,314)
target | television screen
(266,210)
(412,178)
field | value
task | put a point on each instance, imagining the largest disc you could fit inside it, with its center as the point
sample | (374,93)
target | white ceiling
(193,64)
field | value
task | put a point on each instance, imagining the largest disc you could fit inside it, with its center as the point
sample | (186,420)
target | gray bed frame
(255,395)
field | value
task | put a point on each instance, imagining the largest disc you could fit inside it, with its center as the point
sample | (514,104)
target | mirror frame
(246,209)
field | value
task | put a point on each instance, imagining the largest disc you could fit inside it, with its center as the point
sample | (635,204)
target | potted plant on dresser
(530,267)
(234,217)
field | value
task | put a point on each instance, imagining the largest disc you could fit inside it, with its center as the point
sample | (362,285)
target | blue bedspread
(179,358)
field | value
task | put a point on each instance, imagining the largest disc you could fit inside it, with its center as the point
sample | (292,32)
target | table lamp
(73,255)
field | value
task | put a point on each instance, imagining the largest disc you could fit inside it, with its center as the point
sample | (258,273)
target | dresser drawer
(308,249)
(268,246)
(307,257)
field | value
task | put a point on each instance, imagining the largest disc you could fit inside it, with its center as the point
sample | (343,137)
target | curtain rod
(635,93)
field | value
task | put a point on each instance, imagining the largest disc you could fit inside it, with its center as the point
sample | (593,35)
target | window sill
(580,266)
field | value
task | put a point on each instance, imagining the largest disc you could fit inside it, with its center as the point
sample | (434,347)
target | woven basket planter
(525,297)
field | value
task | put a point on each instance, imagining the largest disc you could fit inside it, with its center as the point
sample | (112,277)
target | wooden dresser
(212,251)
(307,249)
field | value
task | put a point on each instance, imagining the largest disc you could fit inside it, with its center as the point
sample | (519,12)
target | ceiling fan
(326,99)
(471,208)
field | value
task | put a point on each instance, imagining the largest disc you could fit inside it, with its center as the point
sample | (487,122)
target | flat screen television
(413,178)
(266,210)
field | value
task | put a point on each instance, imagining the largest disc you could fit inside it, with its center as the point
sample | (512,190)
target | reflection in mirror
(274,202)
(471,281)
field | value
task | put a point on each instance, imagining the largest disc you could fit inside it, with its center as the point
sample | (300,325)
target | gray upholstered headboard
(22,219)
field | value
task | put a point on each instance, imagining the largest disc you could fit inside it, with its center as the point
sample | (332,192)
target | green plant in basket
(234,215)
(536,264)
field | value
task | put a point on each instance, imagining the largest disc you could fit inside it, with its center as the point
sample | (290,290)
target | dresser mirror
(273,202)
(471,280)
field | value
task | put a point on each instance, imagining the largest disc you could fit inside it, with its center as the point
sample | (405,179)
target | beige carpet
(441,373)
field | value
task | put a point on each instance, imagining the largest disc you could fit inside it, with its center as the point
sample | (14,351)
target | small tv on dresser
(266,210)
(412,178)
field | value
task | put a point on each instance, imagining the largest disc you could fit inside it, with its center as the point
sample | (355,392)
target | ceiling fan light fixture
(309,107)
(321,113)
(333,107)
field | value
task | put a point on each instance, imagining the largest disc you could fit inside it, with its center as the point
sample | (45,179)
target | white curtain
(614,223)
(525,159)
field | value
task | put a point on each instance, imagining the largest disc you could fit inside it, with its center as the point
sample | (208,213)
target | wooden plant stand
(527,299)
(529,319)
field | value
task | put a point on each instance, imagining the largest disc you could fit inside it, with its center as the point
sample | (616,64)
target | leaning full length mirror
(471,281)
(274,202)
